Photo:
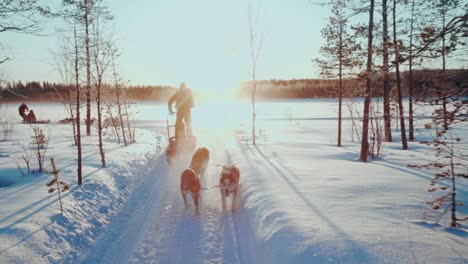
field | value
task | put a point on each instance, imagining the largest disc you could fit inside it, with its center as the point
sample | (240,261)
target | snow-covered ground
(303,199)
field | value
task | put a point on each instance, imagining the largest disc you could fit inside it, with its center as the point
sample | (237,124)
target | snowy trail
(154,226)
(127,228)
(179,236)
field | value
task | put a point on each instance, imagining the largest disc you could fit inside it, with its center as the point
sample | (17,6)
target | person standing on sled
(184,102)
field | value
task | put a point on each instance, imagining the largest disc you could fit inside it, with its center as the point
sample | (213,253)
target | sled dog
(190,182)
(200,160)
(229,183)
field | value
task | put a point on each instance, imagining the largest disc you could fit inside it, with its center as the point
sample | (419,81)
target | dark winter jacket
(22,110)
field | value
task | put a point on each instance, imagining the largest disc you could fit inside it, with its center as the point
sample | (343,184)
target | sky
(204,43)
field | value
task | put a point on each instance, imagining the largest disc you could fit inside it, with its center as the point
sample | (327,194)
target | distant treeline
(426,83)
(49,91)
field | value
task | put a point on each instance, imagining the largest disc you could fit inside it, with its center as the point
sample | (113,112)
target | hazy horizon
(205,44)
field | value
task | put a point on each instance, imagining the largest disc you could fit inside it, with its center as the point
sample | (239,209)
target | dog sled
(37,122)
(180,141)
(40,122)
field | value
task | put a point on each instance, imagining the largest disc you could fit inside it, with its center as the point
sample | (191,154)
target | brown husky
(190,182)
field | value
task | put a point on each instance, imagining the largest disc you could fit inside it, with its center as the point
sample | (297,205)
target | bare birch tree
(118,94)
(256,43)
(101,51)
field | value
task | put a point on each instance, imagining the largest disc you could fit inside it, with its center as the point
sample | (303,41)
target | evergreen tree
(442,12)
(339,53)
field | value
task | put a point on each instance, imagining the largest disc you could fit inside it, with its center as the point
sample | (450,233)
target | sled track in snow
(155,227)
(127,227)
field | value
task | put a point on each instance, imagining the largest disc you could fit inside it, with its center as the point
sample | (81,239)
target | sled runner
(38,122)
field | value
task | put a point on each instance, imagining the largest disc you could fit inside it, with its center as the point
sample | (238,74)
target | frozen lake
(230,112)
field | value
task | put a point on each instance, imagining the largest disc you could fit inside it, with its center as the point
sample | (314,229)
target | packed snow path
(155,227)
(295,208)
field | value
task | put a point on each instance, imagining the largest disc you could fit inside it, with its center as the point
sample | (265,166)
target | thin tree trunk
(354,128)
(114,125)
(99,74)
(72,116)
(397,68)
(119,102)
(78,131)
(454,191)
(340,93)
(372,127)
(444,98)
(254,56)
(119,107)
(386,82)
(98,105)
(410,84)
(88,71)
(365,122)
(253,109)
(131,135)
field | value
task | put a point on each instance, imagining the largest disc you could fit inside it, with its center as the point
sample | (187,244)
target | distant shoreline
(165,101)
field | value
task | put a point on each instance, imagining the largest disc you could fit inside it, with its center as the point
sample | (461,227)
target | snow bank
(312,202)
(31,227)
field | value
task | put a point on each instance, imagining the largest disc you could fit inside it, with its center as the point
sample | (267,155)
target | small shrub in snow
(26,158)
(375,130)
(57,185)
(40,145)
(7,124)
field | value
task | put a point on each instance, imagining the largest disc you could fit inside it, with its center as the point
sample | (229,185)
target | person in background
(22,111)
(183,99)
(31,118)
